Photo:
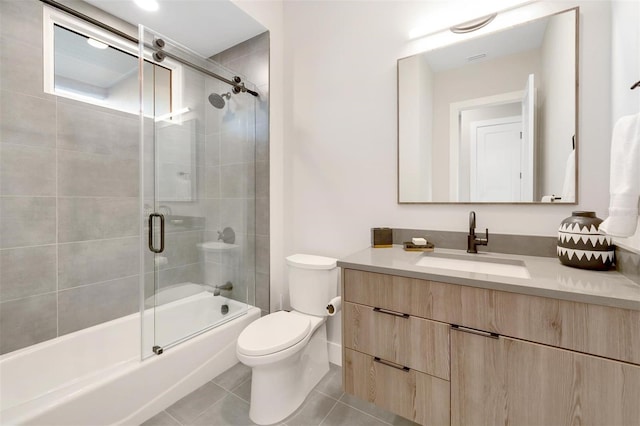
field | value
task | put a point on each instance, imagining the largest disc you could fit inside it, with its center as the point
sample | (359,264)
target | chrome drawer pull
(395,314)
(390,364)
(474,331)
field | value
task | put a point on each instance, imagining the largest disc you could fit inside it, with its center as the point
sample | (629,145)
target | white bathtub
(95,376)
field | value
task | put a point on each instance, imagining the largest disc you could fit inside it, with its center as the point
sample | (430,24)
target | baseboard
(335,353)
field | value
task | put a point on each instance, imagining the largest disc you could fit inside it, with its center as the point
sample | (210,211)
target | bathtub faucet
(215,290)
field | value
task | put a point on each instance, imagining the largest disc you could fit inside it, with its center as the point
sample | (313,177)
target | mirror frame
(577,126)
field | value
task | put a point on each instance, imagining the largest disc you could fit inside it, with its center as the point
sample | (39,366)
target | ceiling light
(97,44)
(150,5)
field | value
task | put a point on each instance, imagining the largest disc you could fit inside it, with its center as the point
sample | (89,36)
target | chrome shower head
(217,100)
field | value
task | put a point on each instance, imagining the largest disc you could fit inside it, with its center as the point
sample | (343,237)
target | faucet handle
(486,235)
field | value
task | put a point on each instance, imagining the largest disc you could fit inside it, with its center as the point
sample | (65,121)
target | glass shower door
(198,180)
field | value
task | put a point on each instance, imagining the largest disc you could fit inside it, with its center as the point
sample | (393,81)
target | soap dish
(409,246)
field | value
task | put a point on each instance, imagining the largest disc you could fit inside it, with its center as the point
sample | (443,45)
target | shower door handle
(151,247)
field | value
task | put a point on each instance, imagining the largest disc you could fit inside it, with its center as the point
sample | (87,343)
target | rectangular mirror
(492,119)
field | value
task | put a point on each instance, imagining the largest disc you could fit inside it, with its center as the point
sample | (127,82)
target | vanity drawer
(599,330)
(409,393)
(405,340)
(390,292)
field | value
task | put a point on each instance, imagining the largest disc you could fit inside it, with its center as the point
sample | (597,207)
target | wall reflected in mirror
(491,119)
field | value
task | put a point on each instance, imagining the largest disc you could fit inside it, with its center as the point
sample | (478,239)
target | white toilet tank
(313,282)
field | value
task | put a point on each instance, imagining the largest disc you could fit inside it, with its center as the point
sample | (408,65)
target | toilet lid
(273,333)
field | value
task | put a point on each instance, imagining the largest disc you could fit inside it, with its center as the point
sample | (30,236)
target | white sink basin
(479,265)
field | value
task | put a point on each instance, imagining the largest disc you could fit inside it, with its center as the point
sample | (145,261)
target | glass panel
(199,172)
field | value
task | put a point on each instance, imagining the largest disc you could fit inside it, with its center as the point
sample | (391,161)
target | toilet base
(278,389)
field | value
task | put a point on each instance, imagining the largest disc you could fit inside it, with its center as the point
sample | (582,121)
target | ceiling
(205,26)
(502,43)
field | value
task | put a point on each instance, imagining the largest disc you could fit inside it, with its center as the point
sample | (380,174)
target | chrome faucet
(472,240)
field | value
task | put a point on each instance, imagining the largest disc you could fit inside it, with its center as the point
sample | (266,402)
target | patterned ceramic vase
(581,245)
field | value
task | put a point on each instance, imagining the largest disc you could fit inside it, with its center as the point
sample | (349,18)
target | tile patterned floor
(224,401)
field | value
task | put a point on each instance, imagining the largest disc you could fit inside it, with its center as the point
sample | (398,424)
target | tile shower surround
(69,200)
(251,58)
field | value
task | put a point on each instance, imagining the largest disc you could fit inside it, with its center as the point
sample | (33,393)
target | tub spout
(215,290)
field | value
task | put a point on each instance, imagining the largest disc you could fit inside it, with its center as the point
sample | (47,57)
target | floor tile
(233,377)
(343,415)
(314,409)
(375,411)
(230,411)
(161,419)
(191,406)
(331,383)
(243,390)
(225,401)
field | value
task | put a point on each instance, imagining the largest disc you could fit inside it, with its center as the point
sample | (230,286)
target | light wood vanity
(443,353)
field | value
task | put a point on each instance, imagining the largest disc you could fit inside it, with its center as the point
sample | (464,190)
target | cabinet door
(507,381)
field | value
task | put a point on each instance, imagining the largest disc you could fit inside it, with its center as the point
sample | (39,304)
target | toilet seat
(273,333)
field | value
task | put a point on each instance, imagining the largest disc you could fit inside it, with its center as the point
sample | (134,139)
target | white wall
(415,124)
(625,67)
(341,127)
(555,102)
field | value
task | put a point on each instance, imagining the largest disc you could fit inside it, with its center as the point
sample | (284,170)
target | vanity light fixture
(149,5)
(473,25)
(501,6)
(97,44)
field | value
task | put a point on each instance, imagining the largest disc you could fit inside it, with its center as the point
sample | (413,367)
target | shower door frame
(156,51)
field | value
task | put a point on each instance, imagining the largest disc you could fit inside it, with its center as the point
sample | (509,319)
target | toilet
(287,351)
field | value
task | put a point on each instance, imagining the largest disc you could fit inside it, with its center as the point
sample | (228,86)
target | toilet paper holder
(334,306)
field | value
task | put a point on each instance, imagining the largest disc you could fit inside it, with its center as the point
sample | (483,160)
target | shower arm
(237,85)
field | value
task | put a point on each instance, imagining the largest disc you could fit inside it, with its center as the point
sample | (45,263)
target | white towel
(625,178)
(569,186)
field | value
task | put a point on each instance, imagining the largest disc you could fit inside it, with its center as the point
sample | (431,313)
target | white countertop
(549,278)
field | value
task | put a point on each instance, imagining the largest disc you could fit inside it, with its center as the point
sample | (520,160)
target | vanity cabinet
(440,353)
(509,381)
